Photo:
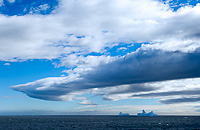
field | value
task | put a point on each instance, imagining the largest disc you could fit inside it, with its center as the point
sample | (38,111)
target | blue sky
(99,57)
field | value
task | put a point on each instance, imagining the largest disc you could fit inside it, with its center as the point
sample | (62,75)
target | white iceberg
(146,114)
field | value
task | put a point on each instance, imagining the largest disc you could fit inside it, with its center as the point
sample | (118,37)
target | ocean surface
(99,123)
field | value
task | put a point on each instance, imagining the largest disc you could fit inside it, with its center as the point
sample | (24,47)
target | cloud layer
(135,73)
(77,28)
(102,23)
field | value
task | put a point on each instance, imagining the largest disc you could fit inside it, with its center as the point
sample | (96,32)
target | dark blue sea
(99,123)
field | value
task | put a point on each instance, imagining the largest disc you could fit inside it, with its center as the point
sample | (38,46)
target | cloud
(11,1)
(134,73)
(170,93)
(77,28)
(171,89)
(122,48)
(117,22)
(16,96)
(87,102)
(142,67)
(131,88)
(81,64)
(180,100)
(165,109)
(43,7)
(7,64)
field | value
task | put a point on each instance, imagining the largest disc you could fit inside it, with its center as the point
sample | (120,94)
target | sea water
(99,123)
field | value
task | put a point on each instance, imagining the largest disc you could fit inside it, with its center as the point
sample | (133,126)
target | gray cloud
(133,88)
(170,93)
(50,112)
(180,100)
(143,66)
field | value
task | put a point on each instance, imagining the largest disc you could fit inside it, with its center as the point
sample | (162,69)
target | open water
(99,123)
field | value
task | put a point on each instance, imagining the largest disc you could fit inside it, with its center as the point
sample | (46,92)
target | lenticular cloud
(137,68)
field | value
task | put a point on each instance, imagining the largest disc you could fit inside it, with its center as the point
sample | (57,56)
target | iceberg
(146,114)
(123,114)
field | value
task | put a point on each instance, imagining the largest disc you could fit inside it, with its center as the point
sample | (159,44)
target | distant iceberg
(146,114)
(123,114)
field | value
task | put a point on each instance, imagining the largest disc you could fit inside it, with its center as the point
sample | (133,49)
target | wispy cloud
(165,109)
(87,102)
(7,64)
(180,100)
(11,1)
(13,96)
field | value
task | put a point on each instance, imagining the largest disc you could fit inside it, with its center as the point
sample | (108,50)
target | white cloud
(87,102)
(11,1)
(139,20)
(40,8)
(44,7)
(173,89)
(83,64)
(7,64)
(122,48)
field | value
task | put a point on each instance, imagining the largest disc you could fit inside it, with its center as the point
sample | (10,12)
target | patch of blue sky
(123,49)
(80,36)
(27,71)
(94,54)
(176,4)
(22,72)
(119,50)
(33,106)
(23,7)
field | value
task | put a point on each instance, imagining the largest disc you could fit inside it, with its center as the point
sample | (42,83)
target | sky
(99,57)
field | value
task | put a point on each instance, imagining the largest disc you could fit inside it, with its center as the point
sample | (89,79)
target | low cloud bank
(135,73)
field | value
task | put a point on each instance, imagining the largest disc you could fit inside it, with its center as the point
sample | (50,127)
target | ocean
(99,123)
